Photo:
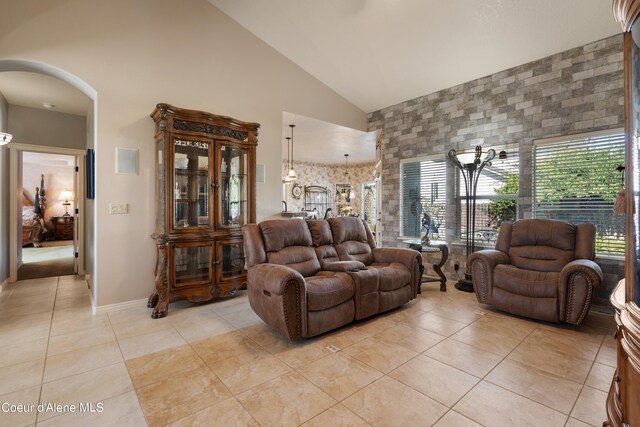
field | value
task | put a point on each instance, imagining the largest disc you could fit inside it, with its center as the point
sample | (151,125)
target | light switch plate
(118,208)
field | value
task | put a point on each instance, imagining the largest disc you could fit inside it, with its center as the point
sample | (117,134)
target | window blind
(576,180)
(423,190)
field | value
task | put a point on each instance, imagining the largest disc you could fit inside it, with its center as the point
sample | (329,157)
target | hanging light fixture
(347,178)
(292,172)
(286,175)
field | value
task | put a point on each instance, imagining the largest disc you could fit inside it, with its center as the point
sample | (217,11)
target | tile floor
(441,360)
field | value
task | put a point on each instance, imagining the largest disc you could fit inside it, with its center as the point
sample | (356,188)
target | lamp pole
(470,172)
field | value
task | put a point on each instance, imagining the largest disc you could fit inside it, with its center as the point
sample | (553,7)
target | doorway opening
(49,215)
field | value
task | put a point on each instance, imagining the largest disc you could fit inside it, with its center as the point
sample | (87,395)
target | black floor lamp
(471,165)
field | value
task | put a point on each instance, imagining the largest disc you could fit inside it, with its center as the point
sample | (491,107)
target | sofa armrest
(575,289)
(344,266)
(277,294)
(410,258)
(481,265)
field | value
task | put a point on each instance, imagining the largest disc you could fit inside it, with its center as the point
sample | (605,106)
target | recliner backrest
(350,239)
(322,241)
(288,242)
(541,244)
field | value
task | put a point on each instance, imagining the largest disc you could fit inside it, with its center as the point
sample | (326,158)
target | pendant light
(286,176)
(347,177)
(292,172)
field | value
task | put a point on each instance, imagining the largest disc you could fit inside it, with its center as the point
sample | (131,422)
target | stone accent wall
(572,92)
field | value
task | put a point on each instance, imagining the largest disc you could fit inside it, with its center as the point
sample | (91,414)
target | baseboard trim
(120,306)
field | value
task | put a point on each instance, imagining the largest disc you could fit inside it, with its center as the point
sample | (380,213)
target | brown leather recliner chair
(307,278)
(540,268)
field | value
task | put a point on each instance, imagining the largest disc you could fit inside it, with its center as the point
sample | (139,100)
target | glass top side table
(433,246)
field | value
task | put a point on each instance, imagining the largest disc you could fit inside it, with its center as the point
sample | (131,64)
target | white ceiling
(377,53)
(321,142)
(47,159)
(33,89)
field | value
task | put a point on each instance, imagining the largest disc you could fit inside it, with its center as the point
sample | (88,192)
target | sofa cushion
(326,254)
(354,251)
(347,228)
(391,276)
(302,259)
(537,284)
(320,232)
(328,289)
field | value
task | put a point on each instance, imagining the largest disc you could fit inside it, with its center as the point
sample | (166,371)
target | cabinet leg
(153,300)
(161,307)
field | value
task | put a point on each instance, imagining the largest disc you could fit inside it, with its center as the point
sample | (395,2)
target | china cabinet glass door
(231,256)
(192,264)
(191,184)
(233,193)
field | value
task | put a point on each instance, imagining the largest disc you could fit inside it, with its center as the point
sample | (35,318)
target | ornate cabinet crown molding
(625,12)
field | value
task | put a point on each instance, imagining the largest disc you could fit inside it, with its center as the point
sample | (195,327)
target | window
(423,195)
(496,196)
(576,180)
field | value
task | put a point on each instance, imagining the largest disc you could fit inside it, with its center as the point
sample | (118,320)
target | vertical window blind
(576,180)
(423,190)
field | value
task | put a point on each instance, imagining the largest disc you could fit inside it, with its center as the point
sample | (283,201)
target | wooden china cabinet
(623,402)
(205,193)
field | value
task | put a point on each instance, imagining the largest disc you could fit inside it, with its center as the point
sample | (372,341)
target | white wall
(4,195)
(44,127)
(136,54)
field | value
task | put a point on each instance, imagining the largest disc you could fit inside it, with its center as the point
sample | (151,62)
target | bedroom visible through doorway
(47,205)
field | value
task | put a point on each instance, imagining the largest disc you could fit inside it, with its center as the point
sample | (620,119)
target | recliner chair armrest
(575,289)
(410,258)
(481,265)
(277,294)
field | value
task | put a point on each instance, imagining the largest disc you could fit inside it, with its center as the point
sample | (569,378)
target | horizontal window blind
(423,190)
(577,181)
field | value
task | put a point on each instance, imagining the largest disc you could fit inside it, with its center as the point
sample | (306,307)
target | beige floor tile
(299,353)
(73,301)
(154,367)
(583,346)
(491,405)
(224,346)
(411,337)
(461,312)
(545,358)
(380,354)
(247,370)
(439,325)
(266,337)
(181,395)
(231,304)
(600,377)
(14,416)
(20,376)
(121,411)
(10,308)
(607,354)
(140,345)
(227,413)
(440,382)
(67,321)
(20,329)
(373,325)
(454,419)
(464,357)
(577,423)
(540,386)
(336,416)
(591,406)
(388,402)
(199,323)
(242,318)
(23,352)
(339,375)
(82,360)
(286,400)
(80,339)
(93,386)
(342,338)
(497,342)
(139,326)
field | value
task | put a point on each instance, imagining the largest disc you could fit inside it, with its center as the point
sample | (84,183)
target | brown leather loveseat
(540,268)
(309,277)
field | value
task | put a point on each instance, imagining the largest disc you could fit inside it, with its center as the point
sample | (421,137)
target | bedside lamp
(65,196)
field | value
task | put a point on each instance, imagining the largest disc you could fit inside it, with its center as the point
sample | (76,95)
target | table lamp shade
(66,195)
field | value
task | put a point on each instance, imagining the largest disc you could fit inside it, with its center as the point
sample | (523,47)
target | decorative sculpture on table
(471,169)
